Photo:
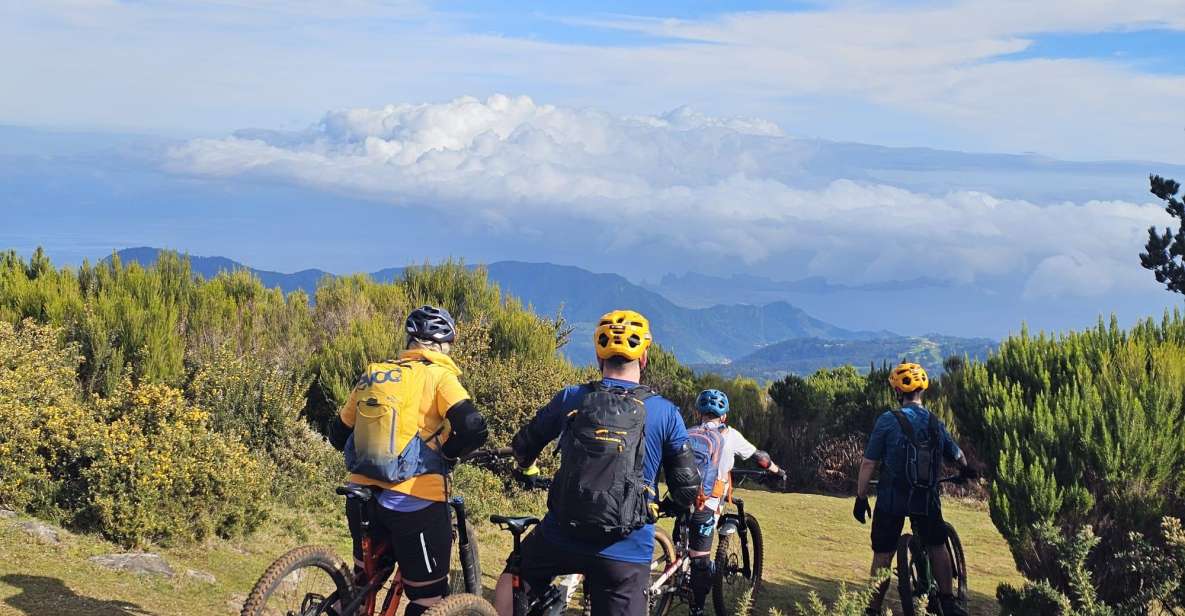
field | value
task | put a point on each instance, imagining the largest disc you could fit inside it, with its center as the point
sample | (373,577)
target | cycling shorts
(886,530)
(615,588)
(420,541)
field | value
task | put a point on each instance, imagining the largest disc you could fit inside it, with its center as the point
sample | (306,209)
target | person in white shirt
(716,446)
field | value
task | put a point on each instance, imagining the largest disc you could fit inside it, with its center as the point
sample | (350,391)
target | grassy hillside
(812,544)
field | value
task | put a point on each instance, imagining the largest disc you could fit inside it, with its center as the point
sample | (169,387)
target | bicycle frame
(372,552)
(680,562)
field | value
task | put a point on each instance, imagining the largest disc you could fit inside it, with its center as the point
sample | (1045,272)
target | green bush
(1082,430)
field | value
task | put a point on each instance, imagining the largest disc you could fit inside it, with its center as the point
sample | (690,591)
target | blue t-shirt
(665,436)
(887,446)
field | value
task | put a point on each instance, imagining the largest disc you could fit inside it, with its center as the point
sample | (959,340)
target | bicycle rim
(664,555)
(959,561)
(306,581)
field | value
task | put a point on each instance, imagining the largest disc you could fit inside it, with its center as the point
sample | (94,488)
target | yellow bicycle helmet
(622,333)
(908,378)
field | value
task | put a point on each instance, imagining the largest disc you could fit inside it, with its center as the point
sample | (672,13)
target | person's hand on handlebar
(968,473)
(531,478)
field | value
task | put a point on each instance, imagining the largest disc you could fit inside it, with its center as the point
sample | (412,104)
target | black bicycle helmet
(431,324)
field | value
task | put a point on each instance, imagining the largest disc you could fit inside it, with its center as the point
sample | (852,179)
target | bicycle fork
(468,567)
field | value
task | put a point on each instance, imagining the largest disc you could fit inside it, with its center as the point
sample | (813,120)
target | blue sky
(716,129)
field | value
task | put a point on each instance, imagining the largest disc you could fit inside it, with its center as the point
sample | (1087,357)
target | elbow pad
(762,459)
(527,444)
(468,430)
(339,433)
(683,478)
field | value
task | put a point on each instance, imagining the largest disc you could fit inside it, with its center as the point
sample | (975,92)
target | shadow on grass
(46,596)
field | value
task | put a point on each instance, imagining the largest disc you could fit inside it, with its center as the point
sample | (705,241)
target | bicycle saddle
(361,493)
(516,525)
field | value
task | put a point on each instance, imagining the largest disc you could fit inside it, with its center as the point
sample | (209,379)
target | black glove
(861,510)
(967,472)
(668,507)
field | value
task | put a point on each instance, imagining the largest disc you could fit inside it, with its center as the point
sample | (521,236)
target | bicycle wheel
(905,575)
(664,555)
(731,582)
(456,575)
(302,581)
(958,561)
(464,604)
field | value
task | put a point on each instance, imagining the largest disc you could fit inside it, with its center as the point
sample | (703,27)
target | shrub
(1083,431)
(44,420)
(848,603)
(159,473)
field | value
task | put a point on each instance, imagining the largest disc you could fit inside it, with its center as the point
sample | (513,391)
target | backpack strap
(932,428)
(906,427)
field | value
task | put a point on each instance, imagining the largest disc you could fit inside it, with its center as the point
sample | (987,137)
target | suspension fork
(468,567)
(743,533)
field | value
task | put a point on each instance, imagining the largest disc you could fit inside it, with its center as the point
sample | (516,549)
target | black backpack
(923,462)
(599,491)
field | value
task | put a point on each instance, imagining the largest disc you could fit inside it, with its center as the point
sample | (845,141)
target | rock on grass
(140,563)
(41,532)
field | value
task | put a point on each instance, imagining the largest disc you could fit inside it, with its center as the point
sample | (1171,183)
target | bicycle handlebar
(955,479)
(488,453)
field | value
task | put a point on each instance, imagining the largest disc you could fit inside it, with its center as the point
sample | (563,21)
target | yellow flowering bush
(160,473)
(43,418)
(141,465)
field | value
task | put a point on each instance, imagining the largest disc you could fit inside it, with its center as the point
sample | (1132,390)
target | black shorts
(886,530)
(615,588)
(420,541)
(701,529)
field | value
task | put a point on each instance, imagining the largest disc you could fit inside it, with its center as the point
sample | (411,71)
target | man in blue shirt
(616,567)
(896,497)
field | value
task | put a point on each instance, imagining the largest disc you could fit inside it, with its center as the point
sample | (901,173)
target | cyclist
(401,429)
(601,505)
(718,446)
(888,447)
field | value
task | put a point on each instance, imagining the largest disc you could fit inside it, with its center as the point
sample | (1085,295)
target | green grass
(812,543)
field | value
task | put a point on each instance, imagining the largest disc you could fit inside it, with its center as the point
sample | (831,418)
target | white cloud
(698,186)
(938,74)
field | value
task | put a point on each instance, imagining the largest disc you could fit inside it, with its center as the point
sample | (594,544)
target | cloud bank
(696,187)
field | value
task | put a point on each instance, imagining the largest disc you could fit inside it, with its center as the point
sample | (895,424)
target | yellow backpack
(386,444)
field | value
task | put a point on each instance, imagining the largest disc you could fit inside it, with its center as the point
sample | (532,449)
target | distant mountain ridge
(713,335)
(805,355)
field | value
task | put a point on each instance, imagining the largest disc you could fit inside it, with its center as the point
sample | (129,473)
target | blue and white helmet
(431,324)
(712,402)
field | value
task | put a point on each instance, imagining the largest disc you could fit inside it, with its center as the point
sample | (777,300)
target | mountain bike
(553,600)
(915,575)
(556,598)
(670,569)
(740,555)
(314,581)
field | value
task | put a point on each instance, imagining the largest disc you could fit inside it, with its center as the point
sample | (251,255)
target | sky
(641,138)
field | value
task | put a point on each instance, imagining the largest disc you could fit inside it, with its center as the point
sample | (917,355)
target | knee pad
(439,588)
